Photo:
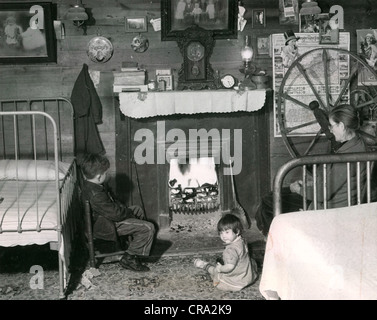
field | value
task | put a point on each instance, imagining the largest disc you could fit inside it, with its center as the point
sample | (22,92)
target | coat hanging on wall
(88,113)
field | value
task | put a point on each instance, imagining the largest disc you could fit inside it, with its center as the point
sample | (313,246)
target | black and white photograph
(259,18)
(136,24)
(219,16)
(308,23)
(263,45)
(26,33)
(328,29)
(157,157)
(367,50)
(288,12)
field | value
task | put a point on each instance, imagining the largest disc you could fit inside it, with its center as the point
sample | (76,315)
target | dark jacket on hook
(88,113)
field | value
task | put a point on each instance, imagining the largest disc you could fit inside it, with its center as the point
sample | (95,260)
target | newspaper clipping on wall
(296,84)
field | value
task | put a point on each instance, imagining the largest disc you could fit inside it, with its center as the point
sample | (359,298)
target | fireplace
(197,136)
(194,180)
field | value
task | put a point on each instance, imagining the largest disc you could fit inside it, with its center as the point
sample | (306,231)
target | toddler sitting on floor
(236,270)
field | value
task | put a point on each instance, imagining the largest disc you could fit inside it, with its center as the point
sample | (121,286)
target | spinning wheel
(365,99)
(323,77)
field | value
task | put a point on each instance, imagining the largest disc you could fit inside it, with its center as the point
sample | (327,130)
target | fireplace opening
(193,186)
(193,189)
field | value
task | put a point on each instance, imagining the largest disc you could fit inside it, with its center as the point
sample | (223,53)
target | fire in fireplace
(193,186)
(193,183)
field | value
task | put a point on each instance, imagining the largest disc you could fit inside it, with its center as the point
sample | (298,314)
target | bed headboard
(36,131)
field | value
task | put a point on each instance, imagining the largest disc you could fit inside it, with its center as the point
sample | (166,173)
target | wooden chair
(95,256)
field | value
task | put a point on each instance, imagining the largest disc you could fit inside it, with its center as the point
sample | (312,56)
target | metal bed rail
(34,114)
(59,109)
(358,159)
(37,129)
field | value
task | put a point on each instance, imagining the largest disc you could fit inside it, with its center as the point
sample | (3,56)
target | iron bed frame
(53,128)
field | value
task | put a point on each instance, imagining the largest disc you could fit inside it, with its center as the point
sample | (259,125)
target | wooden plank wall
(48,80)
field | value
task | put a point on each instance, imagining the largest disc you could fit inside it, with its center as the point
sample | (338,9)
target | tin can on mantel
(162,85)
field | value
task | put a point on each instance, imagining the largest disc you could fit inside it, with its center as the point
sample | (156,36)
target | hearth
(195,136)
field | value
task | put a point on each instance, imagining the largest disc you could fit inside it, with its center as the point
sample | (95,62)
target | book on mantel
(130,88)
(135,77)
(130,69)
(130,78)
(129,66)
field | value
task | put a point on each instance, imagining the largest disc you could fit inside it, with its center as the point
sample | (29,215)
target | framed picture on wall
(263,45)
(219,16)
(136,24)
(259,18)
(308,23)
(328,30)
(367,48)
(288,12)
(28,32)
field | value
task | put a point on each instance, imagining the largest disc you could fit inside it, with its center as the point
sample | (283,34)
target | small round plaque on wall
(140,43)
(100,49)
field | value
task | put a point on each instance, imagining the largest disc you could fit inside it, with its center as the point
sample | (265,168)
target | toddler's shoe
(200,263)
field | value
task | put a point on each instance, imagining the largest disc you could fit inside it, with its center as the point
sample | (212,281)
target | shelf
(151,104)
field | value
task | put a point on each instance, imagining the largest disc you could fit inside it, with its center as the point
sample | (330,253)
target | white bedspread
(33,199)
(322,254)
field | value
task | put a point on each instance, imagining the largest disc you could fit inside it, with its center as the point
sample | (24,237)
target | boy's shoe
(132,263)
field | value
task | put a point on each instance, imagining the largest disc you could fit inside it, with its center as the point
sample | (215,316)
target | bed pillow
(26,169)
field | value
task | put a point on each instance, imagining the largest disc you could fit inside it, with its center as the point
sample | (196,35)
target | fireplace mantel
(151,104)
(141,184)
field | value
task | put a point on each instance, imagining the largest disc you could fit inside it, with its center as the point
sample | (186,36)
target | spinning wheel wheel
(323,77)
(365,99)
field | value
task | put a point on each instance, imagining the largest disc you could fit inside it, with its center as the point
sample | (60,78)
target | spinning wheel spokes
(325,59)
(311,85)
(292,129)
(347,83)
(363,100)
(288,97)
(311,145)
(325,77)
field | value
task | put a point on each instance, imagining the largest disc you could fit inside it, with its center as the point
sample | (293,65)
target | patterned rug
(170,278)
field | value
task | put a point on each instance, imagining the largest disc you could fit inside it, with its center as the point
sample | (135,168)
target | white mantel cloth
(322,255)
(150,104)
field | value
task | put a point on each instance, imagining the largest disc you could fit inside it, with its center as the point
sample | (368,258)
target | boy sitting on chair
(111,218)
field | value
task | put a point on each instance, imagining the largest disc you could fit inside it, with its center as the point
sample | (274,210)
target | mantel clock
(196,46)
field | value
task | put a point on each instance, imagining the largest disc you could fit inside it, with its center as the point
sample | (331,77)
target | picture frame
(219,17)
(136,24)
(308,23)
(168,81)
(328,31)
(258,18)
(28,34)
(288,12)
(263,45)
(366,77)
